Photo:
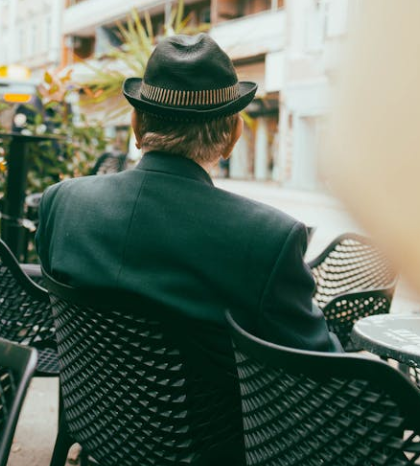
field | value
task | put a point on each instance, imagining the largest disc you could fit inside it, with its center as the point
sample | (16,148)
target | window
(47,33)
(33,41)
(337,17)
(316,18)
(22,43)
(3,51)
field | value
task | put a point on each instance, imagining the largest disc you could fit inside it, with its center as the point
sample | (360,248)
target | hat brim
(131,91)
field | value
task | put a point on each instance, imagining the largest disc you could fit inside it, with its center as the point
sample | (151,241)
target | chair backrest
(17,365)
(138,385)
(303,408)
(343,311)
(109,163)
(25,310)
(350,263)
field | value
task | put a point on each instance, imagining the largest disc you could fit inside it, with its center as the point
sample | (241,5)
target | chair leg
(62,445)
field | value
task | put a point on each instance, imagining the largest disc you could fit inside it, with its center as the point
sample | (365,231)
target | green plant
(138,41)
(76,147)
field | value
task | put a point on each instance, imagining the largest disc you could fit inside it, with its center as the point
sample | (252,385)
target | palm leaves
(131,58)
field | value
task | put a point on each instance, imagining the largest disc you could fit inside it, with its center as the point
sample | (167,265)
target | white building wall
(30,33)
(253,35)
(261,150)
(264,35)
(239,161)
(299,45)
(4,19)
(315,31)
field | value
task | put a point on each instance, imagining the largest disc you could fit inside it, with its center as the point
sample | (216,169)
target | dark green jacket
(164,231)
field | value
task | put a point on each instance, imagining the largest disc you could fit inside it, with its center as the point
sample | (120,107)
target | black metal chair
(25,313)
(138,387)
(110,162)
(304,408)
(354,279)
(17,366)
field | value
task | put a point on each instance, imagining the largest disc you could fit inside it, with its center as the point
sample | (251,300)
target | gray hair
(201,141)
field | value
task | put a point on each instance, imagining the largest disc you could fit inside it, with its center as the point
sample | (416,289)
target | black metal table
(12,229)
(395,336)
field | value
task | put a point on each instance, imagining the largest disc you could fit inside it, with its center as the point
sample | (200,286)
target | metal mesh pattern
(351,262)
(129,396)
(354,279)
(414,374)
(109,163)
(27,319)
(291,419)
(342,312)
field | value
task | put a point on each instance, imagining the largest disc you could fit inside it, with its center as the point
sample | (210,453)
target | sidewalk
(37,427)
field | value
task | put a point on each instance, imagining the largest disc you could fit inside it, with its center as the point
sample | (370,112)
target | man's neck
(207,166)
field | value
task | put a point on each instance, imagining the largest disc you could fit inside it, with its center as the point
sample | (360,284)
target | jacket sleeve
(287,315)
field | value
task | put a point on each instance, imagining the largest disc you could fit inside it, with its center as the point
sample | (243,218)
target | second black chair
(304,408)
(354,279)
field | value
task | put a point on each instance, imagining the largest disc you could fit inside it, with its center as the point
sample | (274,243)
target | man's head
(203,141)
(189,99)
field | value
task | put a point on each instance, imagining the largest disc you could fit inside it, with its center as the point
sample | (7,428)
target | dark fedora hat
(189,78)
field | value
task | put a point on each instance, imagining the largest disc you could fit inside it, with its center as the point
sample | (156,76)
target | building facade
(30,34)
(252,32)
(316,29)
(289,47)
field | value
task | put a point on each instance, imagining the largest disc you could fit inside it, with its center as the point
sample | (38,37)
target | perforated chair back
(354,279)
(109,163)
(342,312)
(25,312)
(17,366)
(350,263)
(137,386)
(303,408)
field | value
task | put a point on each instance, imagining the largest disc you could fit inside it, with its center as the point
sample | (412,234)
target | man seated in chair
(163,230)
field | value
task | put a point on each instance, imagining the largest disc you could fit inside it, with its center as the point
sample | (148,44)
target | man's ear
(235,135)
(135,126)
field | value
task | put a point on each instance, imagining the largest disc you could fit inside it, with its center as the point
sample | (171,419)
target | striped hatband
(181,98)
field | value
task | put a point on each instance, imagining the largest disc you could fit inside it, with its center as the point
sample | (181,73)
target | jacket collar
(173,164)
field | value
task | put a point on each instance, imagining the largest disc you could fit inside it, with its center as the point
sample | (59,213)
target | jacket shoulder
(271,222)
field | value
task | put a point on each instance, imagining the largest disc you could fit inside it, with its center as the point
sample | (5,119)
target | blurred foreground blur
(372,159)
